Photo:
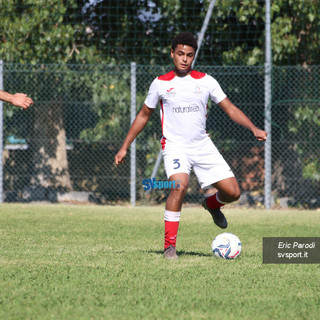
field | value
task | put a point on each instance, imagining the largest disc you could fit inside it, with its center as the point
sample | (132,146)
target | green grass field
(101,262)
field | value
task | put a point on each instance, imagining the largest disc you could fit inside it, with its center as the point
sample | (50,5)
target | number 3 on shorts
(177,163)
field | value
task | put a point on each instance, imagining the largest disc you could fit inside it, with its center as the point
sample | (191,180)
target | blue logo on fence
(160,184)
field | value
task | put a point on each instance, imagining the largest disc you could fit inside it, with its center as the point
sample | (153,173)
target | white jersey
(183,102)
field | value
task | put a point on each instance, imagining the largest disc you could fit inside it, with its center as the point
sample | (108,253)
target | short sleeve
(152,98)
(216,93)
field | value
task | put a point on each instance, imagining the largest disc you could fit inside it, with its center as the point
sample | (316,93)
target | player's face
(182,56)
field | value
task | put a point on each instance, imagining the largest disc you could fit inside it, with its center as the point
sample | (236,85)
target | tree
(40,33)
(117,32)
(141,30)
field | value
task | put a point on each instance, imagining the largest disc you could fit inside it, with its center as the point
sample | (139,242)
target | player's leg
(173,212)
(177,168)
(228,191)
(176,196)
(212,169)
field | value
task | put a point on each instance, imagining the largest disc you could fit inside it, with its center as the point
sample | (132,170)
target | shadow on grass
(184,253)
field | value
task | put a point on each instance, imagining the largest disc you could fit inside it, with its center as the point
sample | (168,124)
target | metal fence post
(267,108)
(1,134)
(204,29)
(133,144)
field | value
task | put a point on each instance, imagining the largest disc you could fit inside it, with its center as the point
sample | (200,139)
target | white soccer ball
(226,246)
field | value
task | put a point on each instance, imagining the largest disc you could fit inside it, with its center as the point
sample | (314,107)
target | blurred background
(88,64)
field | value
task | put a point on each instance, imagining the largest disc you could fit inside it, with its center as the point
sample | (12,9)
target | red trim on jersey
(163,143)
(207,117)
(162,115)
(167,77)
(170,75)
(197,74)
(163,140)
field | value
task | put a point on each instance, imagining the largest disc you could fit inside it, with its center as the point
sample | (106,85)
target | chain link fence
(140,30)
(63,147)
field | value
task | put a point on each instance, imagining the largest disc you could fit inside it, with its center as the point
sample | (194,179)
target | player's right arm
(138,124)
(19,99)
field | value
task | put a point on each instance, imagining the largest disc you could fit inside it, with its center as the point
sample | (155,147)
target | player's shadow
(184,253)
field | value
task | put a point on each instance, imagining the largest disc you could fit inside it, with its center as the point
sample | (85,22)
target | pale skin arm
(138,124)
(19,99)
(240,118)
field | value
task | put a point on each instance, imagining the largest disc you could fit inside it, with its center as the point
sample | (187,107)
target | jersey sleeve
(216,93)
(152,98)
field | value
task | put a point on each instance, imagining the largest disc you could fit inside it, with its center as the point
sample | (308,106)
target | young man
(19,99)
(183,95)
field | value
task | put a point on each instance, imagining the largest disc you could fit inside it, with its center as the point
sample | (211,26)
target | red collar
(170,75)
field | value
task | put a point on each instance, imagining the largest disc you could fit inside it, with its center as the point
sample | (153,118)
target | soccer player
(19,99)
(183,94)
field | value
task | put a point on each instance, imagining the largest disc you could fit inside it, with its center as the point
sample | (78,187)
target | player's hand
(119,158)
(21,100)
(260,134)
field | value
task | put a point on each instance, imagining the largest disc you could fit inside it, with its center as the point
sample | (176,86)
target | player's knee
(233,194)
(236,194)
(180,190)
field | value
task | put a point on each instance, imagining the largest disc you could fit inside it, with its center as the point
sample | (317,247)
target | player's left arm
(240,118)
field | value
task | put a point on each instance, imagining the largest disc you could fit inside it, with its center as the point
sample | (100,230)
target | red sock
(213,202)
(170,233)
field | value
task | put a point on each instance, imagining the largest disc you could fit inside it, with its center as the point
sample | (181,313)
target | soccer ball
(226,246)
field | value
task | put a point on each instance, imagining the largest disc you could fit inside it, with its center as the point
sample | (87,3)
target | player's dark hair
(185,38)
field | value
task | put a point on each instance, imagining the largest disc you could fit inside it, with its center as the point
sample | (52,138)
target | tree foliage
(141,30)
(33,33)
(41,31)
(130,30)
(83,32)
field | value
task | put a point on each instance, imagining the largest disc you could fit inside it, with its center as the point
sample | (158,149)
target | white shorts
(208,164)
